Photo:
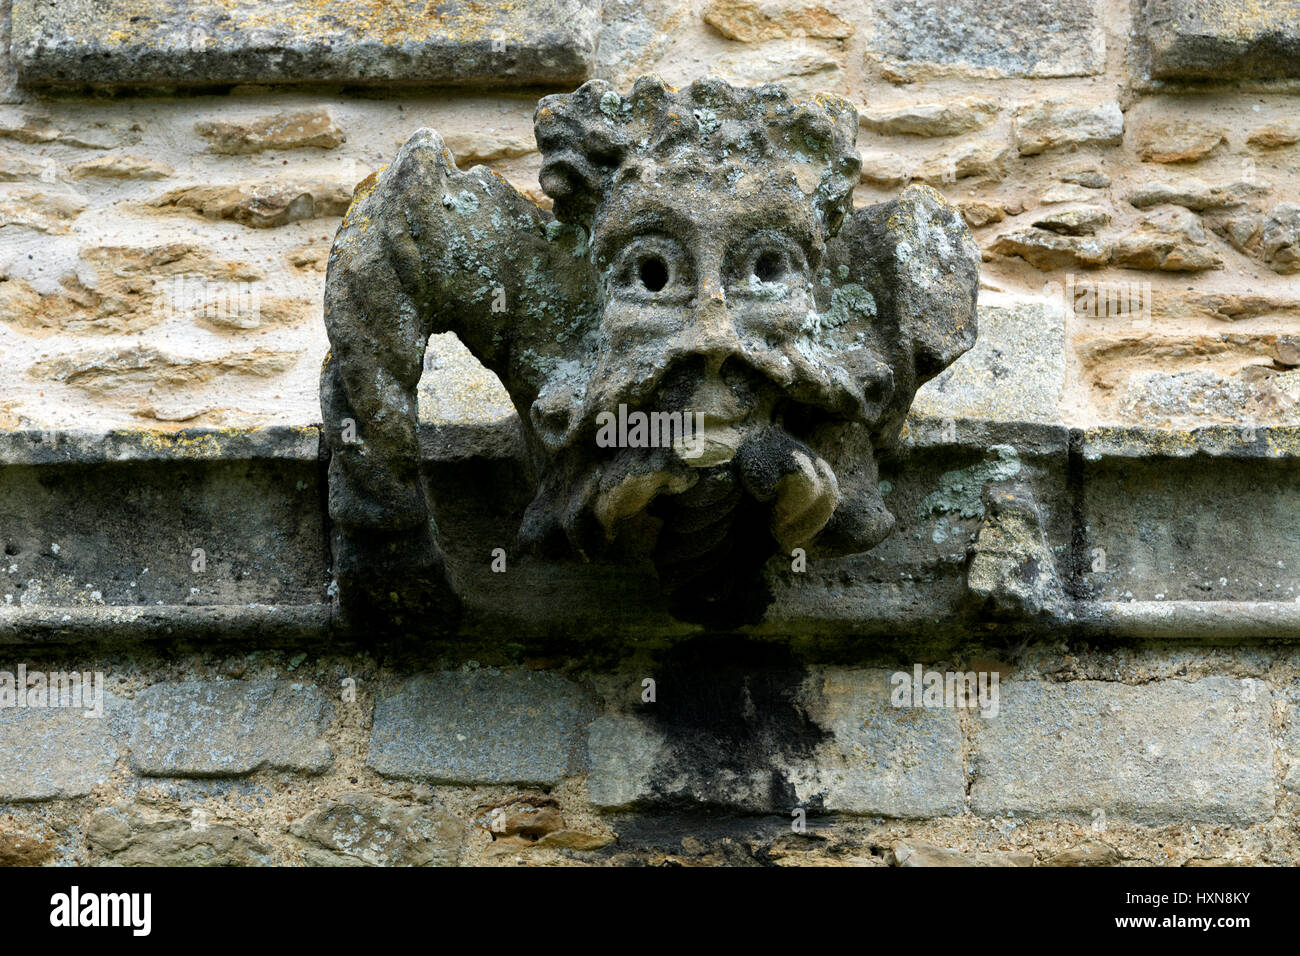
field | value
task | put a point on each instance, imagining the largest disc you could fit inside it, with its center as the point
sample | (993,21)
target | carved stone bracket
(708,347)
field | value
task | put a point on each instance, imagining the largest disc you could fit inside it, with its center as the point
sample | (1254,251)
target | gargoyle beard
(754,486)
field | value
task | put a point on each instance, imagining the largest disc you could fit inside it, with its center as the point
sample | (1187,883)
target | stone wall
(162,256)
(168,195)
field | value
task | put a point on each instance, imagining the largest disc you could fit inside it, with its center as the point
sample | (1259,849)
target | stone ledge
(186,43)
(1227,40)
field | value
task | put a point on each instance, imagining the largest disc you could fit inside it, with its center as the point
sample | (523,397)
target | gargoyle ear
(917,258)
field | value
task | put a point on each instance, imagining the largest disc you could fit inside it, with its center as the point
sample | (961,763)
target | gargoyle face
(705,265)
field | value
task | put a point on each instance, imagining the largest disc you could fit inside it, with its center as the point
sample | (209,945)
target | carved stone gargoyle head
(707,345)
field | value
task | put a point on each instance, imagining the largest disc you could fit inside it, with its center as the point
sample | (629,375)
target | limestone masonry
(989,555)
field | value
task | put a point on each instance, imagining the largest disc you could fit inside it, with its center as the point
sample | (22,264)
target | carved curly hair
(587,137)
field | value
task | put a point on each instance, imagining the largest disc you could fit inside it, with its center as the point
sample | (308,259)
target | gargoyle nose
(713,330)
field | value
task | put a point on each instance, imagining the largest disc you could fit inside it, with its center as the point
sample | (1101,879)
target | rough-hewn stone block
(228,728)
(1050,38)
(50,752)
(1155,753)
(405,42)
(1222,39)
(481,726)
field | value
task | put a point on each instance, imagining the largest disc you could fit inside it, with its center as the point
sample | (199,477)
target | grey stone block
(1155,753)
(883,760)
(1046,38)
(52,752)
(1015,372)
(481,726)
(229,728)
(175,43)
(876,759)
(1222,39)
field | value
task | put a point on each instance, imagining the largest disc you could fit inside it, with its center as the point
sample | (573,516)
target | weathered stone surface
(35,128)
(36,209)
(983,158)
(123,289)
(1222,39)
(1065,192)
(1280,239)
(1085,174)
(624,758)
(474,146)
(738,159)
(979,213)
(883,168)
(801,67)
(914,853)
(53,752)
(123,835)
(1016,370)
(950,118)
(1154,753)
(481,726)
(173,43)
(228,728)
(913,38)
(305,128)
(751,22)
(25,846)
(1011,566)
(16,168)
(1195,194)
(362,829)
(1063,124)
(1088,853)
(261,205)
(100,370)
(873,758)
(1178,141)
(1171,240)
(881,760)
(1074,221)
(1274,136)
(1045,250)
(119,166)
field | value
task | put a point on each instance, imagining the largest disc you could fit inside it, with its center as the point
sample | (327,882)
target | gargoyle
(703,259)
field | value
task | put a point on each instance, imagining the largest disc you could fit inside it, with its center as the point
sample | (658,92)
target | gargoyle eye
(769,266)
(653,273)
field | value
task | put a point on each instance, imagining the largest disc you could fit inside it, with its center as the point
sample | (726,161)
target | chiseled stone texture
(124,835)
(1155,753)
(1222,39)
(192,42)
(229,728)
(883,760)
(52,752)
(363,829)
(1015,372)
(481,726)
(913,38)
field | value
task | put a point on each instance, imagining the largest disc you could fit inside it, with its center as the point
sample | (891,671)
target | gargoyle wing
(428,248)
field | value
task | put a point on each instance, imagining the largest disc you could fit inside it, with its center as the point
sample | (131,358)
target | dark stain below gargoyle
(728,710)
